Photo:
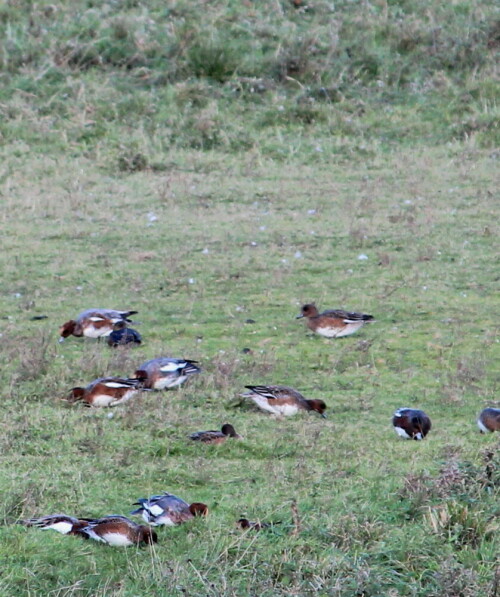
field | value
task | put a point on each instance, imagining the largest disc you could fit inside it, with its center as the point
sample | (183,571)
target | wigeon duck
(118,531)
(62,523)
(245,525)
(489,420)
(335,323)
(411,423)
(94,323)
(216,437)
(282,400)
(165,373)
(167,509)
(122,335)
(106,391)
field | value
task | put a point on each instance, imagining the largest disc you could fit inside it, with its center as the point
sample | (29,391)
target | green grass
(102,79)
(370,506)
(211,164)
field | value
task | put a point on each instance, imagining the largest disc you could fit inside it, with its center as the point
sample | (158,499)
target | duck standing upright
(335,323)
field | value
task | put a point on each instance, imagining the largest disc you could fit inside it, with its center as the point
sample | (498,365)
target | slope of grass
(201,250)
(215,166)
(120,79)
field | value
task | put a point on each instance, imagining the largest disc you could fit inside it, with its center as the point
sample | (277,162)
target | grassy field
(216,201)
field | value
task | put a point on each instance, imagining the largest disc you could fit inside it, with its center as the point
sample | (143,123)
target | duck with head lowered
(168,509)
(106,391)
(411,423)
(283,401)
(94,323)
(165,373)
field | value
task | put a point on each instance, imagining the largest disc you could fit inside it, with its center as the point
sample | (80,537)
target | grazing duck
(122,335)
(411,423)
(94,323)
(245,525)
(216,437)
(282,400)
(118,531)
(334,323)
(489,420)
(62,523)
(106,391)
(167,509)
(165,373)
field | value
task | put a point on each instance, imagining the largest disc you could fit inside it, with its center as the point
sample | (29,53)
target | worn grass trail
(200,251)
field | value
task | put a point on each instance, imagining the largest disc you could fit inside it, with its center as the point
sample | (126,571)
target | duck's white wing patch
(62,526)
(96,318)
(155,510)
(171,367)
(116,384)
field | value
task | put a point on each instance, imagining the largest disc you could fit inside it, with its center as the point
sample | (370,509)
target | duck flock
(165,373)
